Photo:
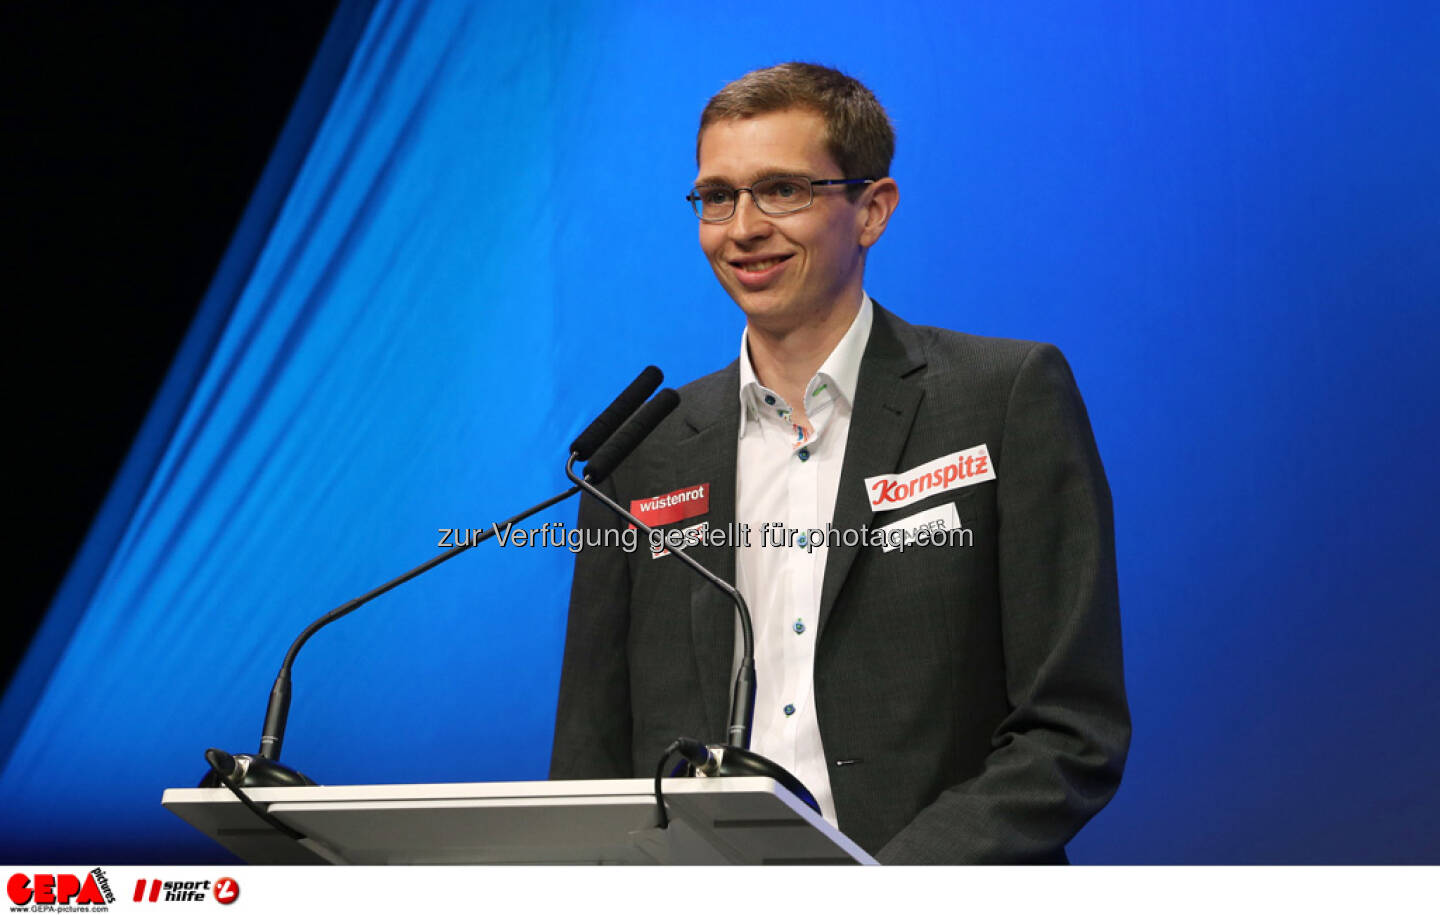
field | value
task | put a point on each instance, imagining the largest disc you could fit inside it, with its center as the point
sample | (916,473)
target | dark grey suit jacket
(971,699)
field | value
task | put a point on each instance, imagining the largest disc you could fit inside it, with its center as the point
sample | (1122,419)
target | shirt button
(770,399)
(799,627)
(789,710)
(803,454)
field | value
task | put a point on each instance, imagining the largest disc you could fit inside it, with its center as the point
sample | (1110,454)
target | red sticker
(963,468)
(672,506)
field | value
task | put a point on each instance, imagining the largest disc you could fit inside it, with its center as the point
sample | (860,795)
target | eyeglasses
(776,196)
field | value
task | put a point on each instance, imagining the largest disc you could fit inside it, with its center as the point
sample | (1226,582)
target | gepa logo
(61,889)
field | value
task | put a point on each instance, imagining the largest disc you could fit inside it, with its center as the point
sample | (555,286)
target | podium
(712,821)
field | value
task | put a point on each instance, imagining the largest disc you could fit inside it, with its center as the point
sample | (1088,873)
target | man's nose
(748,221)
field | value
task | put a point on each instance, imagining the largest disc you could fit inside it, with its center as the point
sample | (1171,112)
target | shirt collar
(840,370)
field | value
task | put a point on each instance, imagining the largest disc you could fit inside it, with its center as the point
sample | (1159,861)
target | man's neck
(785,361)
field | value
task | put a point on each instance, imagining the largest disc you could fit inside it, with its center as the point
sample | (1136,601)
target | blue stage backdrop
(473,233)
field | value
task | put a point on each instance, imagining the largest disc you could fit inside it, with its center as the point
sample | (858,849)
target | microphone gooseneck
(742,702)
(264,769)
(736,758)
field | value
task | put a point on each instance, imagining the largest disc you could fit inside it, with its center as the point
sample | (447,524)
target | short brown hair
(858,133)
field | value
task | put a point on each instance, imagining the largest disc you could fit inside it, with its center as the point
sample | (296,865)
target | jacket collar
(887,398)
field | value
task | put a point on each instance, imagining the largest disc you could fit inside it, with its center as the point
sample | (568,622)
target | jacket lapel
(708,454)
(886,401)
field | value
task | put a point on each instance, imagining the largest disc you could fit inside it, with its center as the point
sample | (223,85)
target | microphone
(264,769)
(736,756)
(604,426)
(613,452)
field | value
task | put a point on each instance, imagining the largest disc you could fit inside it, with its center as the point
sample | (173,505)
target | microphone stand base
(737,762)
(258,772)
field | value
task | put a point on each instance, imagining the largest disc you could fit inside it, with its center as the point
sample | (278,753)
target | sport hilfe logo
(61,889)
(224,891)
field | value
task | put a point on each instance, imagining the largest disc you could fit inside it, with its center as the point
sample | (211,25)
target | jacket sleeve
(1056,758)
(592,720)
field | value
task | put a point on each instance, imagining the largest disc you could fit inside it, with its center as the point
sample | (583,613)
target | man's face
(783,271)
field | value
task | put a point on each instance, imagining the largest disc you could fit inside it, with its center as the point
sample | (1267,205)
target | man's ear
(880,200)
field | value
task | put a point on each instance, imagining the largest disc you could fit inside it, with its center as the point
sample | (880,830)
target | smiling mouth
(761,266)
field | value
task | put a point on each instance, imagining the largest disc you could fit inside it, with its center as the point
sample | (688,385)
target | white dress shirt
(785,476)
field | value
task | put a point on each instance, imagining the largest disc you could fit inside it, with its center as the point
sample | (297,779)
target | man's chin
(778,319)
(763,308)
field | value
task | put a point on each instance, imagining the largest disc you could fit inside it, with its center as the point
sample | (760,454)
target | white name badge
(939,524)
(897,490)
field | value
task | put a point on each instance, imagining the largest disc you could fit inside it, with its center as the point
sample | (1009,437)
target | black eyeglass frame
(813,183)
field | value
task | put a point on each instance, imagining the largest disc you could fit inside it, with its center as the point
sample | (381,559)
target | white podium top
(713,821)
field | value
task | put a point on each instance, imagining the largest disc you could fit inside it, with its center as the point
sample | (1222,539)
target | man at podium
(919,521)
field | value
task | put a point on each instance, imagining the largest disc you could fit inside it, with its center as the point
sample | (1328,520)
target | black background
(135,135)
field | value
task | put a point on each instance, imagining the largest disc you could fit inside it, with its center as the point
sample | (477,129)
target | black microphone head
(618,448)
(621,409)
